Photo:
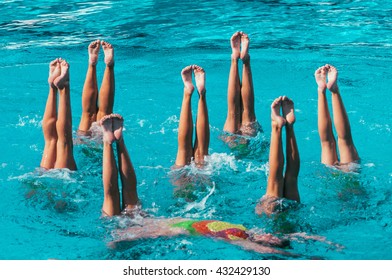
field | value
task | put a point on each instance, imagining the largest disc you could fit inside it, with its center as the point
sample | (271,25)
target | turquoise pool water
(57,214)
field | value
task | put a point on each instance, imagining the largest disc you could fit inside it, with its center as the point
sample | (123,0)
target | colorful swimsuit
(214,228)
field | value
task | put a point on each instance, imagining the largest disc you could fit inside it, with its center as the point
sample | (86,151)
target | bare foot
(186,75)
(107,126)
(244,47)
(54,71)
(200,78)
(109,53)
(118,125)
(332,84)
(93,50)
(63,80)
(321,77)
(235,42)
(275,113)
(288,110)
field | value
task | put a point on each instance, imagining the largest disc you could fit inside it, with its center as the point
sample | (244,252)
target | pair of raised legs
(57,124)
(241,118)
(93,111)
(112,205)
(186,149)
(279,185)
(348,152)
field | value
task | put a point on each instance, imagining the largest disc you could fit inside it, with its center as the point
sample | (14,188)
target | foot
(276,118)
(321,77)
(332,84)
(235,42)
(109,53)
(288,110)
(186,75)
(107,126)
(118,125)
(93,50)
(244,47)
(63,80)
(54,71)
(200,78)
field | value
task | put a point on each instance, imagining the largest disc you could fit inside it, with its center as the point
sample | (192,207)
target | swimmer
(347,151)
(95,107)
(186,150)
(112,126)
(57,122)
(241,117)
(281,187)
(235,234)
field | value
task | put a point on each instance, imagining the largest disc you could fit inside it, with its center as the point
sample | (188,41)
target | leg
(202,140)
(327,139)
(233,119)
(106,92)
(65,157)
(130,198)
(275,185)
(50,118)
(348,152)
(276,159)
(111,196)
(185,127)
(290,190)
(247,91)
(90,90)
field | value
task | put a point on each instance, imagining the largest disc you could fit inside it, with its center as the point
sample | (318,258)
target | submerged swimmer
(281,187)
(95,106)
(241,117)
(233,233)
(57,124)
(347,151)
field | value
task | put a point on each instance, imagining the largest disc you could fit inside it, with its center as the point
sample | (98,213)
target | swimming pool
(57,214)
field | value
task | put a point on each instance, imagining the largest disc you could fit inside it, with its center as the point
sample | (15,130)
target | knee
(48,124)
(328,144)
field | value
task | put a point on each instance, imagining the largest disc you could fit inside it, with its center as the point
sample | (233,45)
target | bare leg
(106,92)
(292,153)
(247,91)
(202,140)
(276,158)
(113,126)
(50,118)
(185,127)
(233,120)
(130,198)
(111,200)
(327,139)
(348,152)
(90,90)
(64,157)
